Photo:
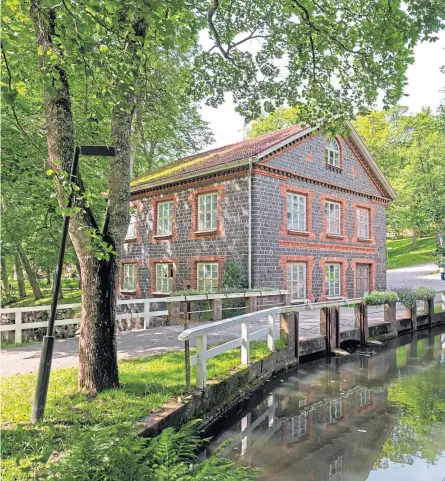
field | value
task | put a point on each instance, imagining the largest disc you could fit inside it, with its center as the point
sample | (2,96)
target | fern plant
(116,453)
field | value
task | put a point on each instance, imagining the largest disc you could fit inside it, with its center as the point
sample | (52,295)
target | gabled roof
(240,153)
(222,156)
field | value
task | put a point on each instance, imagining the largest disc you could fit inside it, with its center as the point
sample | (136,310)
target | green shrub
(116,453)
(425,293)
(377,298)
(407,296)
(233,277)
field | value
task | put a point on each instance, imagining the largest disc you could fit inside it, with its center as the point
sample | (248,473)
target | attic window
(332,153)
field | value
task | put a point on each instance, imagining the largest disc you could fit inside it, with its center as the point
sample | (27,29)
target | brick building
(292,209)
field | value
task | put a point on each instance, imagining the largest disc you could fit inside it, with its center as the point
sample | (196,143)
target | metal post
(187,348)
(38,409)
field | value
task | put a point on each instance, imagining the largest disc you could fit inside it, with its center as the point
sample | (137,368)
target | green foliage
(280,118)
(424,293)
(377,298)
(420,429)
(407,296)
(410,149)
(233,277)
(72,417)
(440,255)
(402,254)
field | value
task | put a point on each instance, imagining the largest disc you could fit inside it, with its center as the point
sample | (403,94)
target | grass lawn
(400,253)
(69,297)
(147,383)
(70,290)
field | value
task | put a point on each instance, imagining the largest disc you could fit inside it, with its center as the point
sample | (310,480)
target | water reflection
(355,418)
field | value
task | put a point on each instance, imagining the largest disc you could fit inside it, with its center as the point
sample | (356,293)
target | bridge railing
(281,317)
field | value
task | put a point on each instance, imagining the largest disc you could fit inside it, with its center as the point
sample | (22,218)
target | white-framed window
(296,212)
(296,280)
(365,397)
(132,231)
(332,153)
(207,276)
(333,218)
(298,426)
(207,211)
(333,285)
(129,280)
(164,218)
(363,223)
(335,410)
(336,469)
(164,277)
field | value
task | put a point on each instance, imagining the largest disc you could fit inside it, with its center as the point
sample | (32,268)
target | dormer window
(332,153)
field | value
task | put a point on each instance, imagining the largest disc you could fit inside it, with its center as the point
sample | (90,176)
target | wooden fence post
(285,299)
(361,321)
(245,352)
(18,327)
(429,307)
(174,312)
(216,309)
(251,304)
(326,327)
(413,312)
(335,327)
(390,312)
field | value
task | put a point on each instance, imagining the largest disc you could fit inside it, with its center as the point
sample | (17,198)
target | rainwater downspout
(250,226)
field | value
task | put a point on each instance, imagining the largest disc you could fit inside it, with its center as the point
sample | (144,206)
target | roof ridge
(205,153)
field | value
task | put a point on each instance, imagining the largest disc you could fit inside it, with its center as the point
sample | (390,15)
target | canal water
(375,418)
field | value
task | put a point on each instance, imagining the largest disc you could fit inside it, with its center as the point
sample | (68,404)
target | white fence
(20,326)
(271,333)
(146,313)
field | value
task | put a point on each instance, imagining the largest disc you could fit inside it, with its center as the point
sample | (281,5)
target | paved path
(25,359)
(424,274)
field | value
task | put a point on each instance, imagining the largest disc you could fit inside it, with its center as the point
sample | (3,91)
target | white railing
(20,326)
(145,314)
(271,333)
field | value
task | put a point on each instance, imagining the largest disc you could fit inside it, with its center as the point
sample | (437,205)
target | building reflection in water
(327,422)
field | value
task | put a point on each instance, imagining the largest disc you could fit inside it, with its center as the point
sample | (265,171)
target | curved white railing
(271,333)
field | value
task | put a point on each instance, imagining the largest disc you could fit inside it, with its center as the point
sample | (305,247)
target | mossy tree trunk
(19,274)
(30,274)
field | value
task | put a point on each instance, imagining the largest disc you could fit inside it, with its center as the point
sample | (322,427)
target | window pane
(165,218)
(164,277)
(129,277)
(296,280)
(207,274)
(207,211)
(296,212)
(132,226)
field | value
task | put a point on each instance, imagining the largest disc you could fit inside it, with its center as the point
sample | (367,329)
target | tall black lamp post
(38,409)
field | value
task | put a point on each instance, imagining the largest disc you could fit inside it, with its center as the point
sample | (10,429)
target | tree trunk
(29,272)
(79,272)
(5,281)
(20,277)
(414,242)
(97,342)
